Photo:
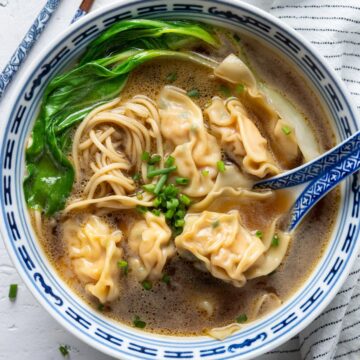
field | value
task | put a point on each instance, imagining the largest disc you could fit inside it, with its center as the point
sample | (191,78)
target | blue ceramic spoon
(316,178)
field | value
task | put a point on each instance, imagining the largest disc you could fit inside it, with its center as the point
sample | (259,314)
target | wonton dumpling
(195,149)
(240,137)
(231,187)
(273,255)
(150,247)
(94,252)
(179,115)
(220,244)
(284,142)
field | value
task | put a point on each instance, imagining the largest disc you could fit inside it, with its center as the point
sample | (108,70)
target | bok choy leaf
(147,34)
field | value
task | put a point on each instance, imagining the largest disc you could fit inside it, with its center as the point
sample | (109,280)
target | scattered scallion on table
(64,350)
(13,292)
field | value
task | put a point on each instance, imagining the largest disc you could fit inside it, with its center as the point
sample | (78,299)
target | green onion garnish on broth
(172,204)
(163,171)
(149,187)
(156,212)
(275,240)
(124,265)
(147,285)
(259,234)
(205,172)
(154,159)
(185,199)
(169,214)
(286,130)
(224,90)
(64,350)
(160,184)
(145,156)
(170,161)
(171,77)
(215,224)
(220,166)
(179,223)
(166,279)
(193,93)
(239,88)
(13,289)
(101,307)
(241,319)
(182,181)
(138,323)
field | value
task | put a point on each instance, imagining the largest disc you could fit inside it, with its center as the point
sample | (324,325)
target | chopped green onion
(157,172)
(179,223)
(205,172)
(156,212)
(171,77)
(13,292)
(215,224)
(172,204)
(241,319)
(220,166)
(184,199)
(141,209)
(275,240)
(170,161)
(286,130)
(166,279)
(101,307)
(124,265)
(139,323)
(194,93)
(145,156)
(139,196)
(154,159)
(182,181)
(225,90)
(136,177)
(149,187)
(259,234)
(64,350)
(169,214)
(171,190)
(180,214)
(147,285)
(160,184)
(157,201)
(239,88)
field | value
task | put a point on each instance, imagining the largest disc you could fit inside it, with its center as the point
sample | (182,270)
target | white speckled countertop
(27,331)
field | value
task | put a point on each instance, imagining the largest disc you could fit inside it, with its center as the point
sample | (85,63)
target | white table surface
(27,331)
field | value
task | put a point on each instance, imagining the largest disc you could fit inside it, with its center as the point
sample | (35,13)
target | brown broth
(172,309)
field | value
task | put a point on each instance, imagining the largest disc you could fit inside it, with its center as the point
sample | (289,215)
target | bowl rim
(228,3)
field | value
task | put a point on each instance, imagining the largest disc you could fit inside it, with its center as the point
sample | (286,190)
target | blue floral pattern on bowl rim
(122,341)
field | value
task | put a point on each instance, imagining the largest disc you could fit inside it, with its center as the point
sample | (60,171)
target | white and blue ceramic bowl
(114,338)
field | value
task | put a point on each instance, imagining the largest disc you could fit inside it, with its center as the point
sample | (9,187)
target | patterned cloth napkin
(333,27)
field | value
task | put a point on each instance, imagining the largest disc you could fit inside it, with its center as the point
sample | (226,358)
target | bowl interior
(120,340)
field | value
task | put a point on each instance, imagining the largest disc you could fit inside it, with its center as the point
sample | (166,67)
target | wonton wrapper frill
(220,244)
(240,137)
(94,253)
(284,146)
(150,247)
(196,152)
